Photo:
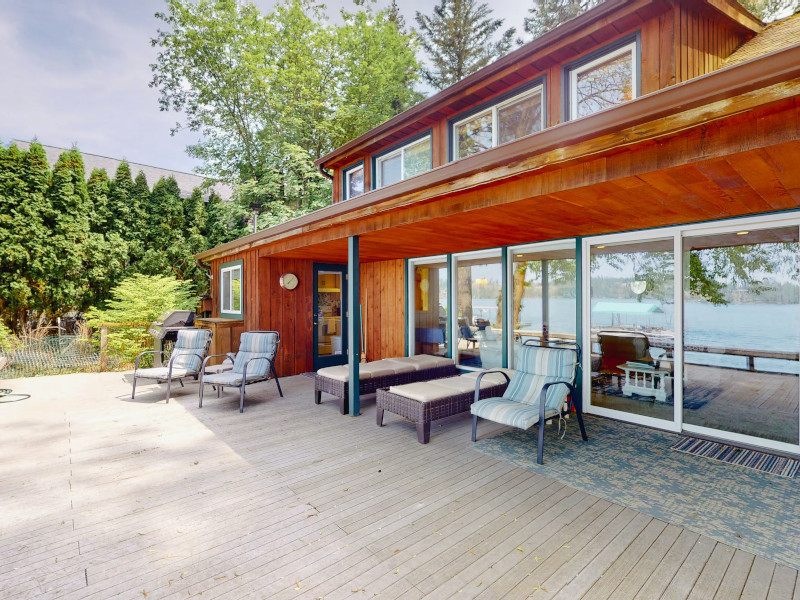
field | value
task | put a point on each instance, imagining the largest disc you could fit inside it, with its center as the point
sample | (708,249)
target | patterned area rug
(309,374)
(751,459)
(633,466)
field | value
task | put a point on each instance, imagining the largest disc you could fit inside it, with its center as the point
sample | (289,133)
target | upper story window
(353,181)
(409,160)
(604,81)
(503,122)
(230,289)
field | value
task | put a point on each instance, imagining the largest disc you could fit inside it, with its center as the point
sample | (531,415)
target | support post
(407,319)
(103,348)
(353,321)
(545,300)
(579,315)
(507,293)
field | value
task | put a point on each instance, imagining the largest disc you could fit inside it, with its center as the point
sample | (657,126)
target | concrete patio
(104,497)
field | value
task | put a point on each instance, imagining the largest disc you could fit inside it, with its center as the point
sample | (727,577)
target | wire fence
(62,354)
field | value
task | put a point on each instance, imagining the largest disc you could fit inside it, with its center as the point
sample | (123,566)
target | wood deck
(107,498)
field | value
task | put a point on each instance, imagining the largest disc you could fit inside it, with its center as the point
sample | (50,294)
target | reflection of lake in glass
(770,327)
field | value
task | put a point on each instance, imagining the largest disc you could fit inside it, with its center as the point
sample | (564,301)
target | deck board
(113,499)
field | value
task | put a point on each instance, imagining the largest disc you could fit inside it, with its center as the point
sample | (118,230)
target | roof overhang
(718,95)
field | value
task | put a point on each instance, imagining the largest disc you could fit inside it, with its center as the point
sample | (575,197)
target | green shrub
(7,339)
(139,299)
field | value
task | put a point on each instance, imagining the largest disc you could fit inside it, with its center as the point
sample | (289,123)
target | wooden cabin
(632,173)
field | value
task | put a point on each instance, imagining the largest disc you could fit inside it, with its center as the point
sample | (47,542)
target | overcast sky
(76,72)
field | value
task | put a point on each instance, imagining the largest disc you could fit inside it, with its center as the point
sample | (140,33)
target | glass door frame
(508,300)
(677,233)
(330,360)
(500,252)
(411,324)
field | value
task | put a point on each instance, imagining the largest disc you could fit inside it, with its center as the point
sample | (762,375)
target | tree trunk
(465,293)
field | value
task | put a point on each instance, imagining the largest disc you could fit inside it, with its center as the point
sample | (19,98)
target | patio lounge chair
(190,349)
(543,377)
(254,362)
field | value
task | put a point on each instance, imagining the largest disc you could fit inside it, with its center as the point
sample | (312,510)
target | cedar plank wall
(267,306)
(383,308)
(678,44)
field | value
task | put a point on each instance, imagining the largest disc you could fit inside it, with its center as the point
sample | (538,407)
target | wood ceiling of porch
(747,182)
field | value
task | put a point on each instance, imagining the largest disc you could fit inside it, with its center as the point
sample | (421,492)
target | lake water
(774,327)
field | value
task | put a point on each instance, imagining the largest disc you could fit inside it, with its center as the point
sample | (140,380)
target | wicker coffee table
(424,412)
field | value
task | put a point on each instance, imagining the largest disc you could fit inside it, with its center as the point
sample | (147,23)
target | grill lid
(171,321)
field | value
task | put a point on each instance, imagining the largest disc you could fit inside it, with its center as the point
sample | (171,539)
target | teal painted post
(507,323)
(451,306)
(408,315)
(354,318)
(579,312)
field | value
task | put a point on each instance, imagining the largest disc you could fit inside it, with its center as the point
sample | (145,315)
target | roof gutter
(780,66)
(324,172)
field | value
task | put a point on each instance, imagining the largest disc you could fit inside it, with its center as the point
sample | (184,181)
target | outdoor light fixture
(638,286)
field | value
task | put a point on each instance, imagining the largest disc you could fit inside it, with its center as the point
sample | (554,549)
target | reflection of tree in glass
(714,273)
(607,84)
(519,119)
(236,292)
(475,136)
(559,271)
(417,159)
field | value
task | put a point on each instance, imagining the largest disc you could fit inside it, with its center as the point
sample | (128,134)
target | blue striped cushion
(190,348)
(508,412)
(255,344)
(537,366)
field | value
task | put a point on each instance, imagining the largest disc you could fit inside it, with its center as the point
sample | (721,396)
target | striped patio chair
(185,360)
(254,362)
(538,391)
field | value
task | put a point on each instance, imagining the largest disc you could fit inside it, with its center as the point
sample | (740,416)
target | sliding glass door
(742,333)
(697,328)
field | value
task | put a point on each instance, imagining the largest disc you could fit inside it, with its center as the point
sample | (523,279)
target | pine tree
(548,14)
(458,40)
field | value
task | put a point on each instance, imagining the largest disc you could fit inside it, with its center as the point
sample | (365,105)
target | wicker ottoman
(379,374)
(423,403)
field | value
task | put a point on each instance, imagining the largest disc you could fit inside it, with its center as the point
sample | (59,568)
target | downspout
(324,172)
(205,266)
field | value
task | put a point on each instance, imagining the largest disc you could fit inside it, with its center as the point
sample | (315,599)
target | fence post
(103,348)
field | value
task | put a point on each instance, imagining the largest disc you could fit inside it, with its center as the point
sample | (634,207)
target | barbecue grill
(167,326)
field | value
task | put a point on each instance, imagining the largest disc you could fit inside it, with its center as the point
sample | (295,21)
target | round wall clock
(288,281)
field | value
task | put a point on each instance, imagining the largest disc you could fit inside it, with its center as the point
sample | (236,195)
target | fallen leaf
(520,549)
(220,577)
(536,558)
(538,587)
(358,590)
(297,585)
(564,546)
(472,552)
(170,582)
(150,550)
(480,583)
(144,593)
(396,551)
(195,462)
(397,571)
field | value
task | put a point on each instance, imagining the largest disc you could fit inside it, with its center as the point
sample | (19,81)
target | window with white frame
(230,289)
(354,181)
(504,122)
(402,163)
(603,82)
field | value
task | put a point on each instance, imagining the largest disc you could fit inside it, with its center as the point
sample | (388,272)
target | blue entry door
(330,315)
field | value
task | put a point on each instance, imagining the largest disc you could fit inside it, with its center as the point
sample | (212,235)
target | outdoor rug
(751,459)
(634,467)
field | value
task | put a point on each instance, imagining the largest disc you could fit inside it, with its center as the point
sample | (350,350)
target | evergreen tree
(166,212)
(769,10)
(99,187)
(458,40)
(24,178)
(119,200)
(215,228)
(549,14)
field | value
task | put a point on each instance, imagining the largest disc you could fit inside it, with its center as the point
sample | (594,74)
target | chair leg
(219,391)
(423,433)
(379,417)
(181,382)
(474,428)
(540,445)
(579,414)
(241,399)
(317,396)
(133,391)
(277,381)
(169,389)
(202,387)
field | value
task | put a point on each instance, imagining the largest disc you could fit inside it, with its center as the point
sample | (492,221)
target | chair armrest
(543,396)
(205,360)
(478,382)
(138,356)
(248,361)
